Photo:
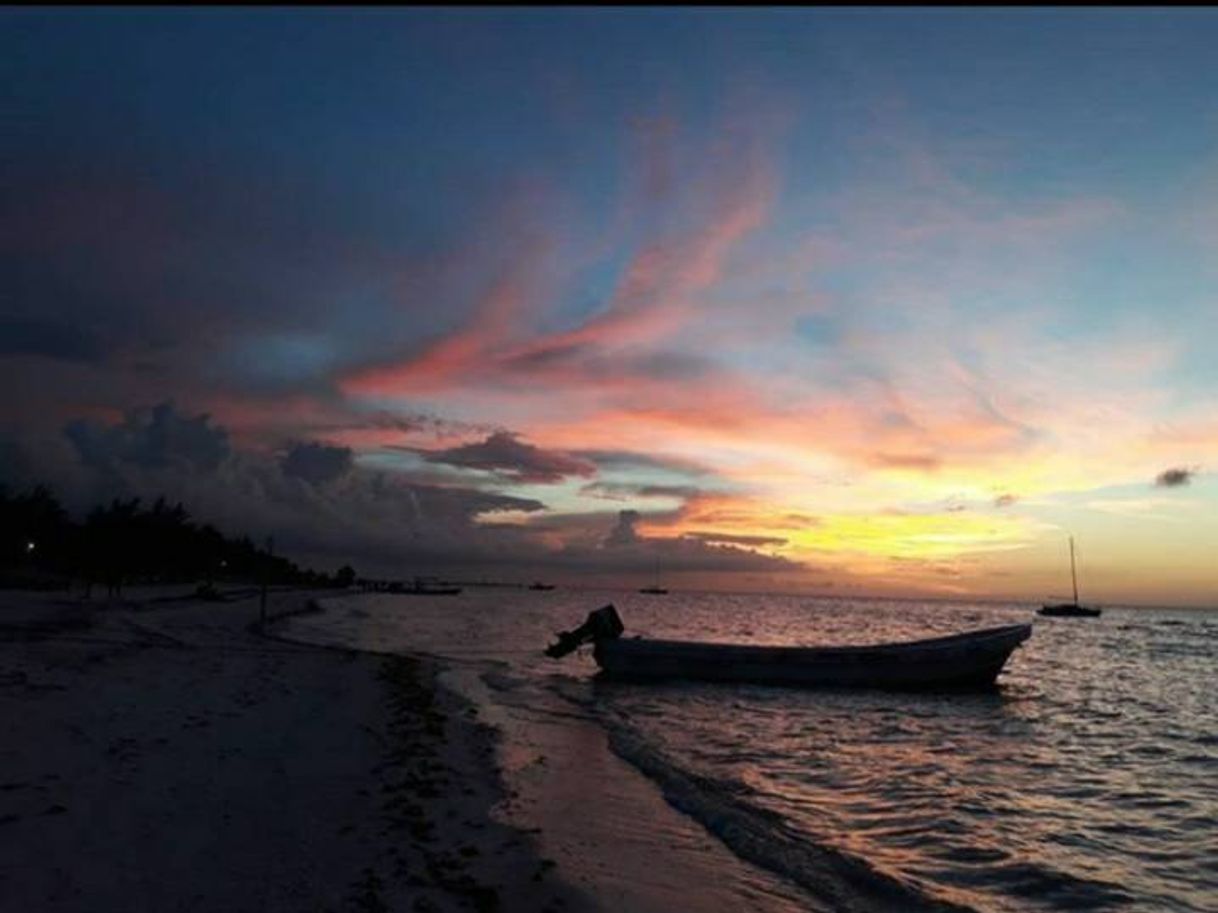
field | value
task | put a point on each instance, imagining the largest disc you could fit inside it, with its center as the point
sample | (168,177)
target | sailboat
(655,589)
(1070,609)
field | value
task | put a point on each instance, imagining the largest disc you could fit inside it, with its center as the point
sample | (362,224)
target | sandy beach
(617,835)
(160,755)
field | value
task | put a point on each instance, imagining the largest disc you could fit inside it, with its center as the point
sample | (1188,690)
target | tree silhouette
(126,542)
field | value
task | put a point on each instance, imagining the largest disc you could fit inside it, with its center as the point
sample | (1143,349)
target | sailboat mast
(1073,575)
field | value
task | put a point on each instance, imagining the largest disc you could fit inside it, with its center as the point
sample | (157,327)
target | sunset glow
(763,298)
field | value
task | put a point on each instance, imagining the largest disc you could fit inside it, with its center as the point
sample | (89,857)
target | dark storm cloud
(624,532)
(14,464)
(317,463)
(504,453)
(313,501)
(151,438)
(225,275)
(48,338)
(382,520)
(1175,477)
(624,548)
(217,282)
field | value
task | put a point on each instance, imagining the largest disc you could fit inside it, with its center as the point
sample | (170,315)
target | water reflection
(1084,781)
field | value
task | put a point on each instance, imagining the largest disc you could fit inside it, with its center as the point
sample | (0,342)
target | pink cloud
(658,292)
(499,313)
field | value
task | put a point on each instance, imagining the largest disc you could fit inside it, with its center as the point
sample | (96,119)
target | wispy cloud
(861,326)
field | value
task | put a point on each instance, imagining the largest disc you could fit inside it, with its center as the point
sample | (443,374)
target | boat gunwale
(997,637)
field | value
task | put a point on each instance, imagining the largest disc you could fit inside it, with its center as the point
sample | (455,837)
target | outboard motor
(603,624)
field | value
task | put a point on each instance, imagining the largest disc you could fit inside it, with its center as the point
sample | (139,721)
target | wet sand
(610,828)
(612,831)
(159,755)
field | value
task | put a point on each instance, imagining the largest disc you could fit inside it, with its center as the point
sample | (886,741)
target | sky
(855,302)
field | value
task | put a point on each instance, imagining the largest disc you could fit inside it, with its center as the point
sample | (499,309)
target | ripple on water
(1086,782)
(1038,799)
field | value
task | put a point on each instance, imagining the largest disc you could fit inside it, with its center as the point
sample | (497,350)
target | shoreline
(613,831)
(163,756)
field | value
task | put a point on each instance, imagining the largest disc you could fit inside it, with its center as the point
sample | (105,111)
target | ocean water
(1088,780)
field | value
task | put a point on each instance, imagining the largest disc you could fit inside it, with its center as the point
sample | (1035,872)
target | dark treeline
(126,542)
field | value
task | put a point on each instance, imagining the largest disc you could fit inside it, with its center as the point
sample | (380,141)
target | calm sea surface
(1087,781)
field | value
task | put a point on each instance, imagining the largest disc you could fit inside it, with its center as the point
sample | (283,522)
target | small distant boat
(655,589)
(422,587)
(541,586)
(960,661)
(1070,609)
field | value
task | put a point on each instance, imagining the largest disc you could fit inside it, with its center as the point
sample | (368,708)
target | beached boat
(969,660)
(1070,609)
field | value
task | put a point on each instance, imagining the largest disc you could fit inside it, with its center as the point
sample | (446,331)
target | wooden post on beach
(266,572)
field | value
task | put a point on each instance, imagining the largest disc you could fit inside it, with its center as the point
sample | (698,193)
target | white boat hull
(970,660)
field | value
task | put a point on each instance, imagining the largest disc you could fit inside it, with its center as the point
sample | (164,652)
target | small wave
(500,679)
(1127,828)
(1034,881)
(975,855)
(1065,891)
(847,883)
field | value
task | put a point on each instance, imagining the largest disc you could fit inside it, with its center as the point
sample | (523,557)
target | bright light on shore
(29,546)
